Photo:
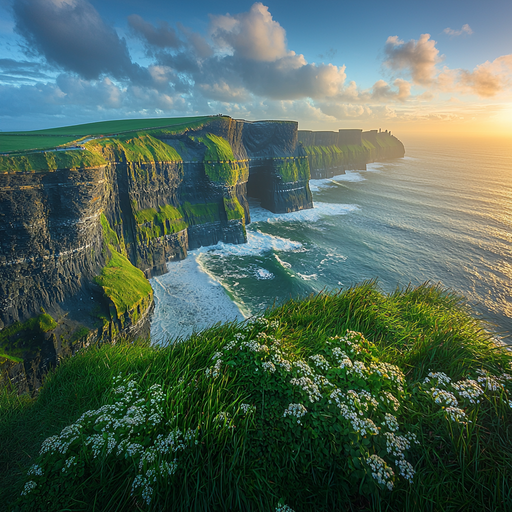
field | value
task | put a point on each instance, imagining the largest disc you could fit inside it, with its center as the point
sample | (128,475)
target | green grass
(138,148)
(219,161)
(130,140)
(292,169)
(21,337)
(25,142)
(233,208)
(125,285)
(51,161)
(153,223)
(52,137)
(249,456)
(201,213)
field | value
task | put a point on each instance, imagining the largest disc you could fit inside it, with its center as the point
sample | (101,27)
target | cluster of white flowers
(284,508)
(405,469)
(356,407)
(247,408)
(396,445)
(280,361)
(232,344)
(303,367)
(254,346)
(115,425)
(443,397)
(320,361)
(341,357)
(380,471)
(70,462)
(35,469)
(309,387)
(391,422)
(390,399)
(145,482)
(441,378)
(389,372)
(296,410)
(350,406)
(455,414)
(224,419)
(268,366)
(469,389)
(489,382)
(29,487)
(215,371)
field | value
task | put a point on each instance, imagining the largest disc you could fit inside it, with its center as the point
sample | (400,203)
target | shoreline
(188,300)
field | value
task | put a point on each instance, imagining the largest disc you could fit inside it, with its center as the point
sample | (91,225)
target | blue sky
(416,66)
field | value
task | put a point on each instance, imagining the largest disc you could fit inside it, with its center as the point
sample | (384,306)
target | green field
(53,137)
(354,401)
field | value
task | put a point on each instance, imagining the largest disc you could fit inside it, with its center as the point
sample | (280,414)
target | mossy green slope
(51,161)
(24,337)
(128,141)
(227,389)
(137,148)
(153,223)
(124,285)
(219,161)
(292,169)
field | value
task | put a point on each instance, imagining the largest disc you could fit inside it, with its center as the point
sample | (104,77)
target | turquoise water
(441,214)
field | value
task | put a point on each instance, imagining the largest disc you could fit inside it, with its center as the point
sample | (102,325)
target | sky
(437,67)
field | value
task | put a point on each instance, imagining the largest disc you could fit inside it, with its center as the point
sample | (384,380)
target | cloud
(417,57)
(25,69)
(420,59)
(485,80)
(382,91)
(163,37)
(252,46)
(72,35)
(252,35)
(466,29)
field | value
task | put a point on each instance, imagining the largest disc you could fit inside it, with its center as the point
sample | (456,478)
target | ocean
(441,214)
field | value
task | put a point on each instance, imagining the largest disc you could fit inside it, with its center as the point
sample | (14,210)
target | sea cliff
(83,225)
(333,153)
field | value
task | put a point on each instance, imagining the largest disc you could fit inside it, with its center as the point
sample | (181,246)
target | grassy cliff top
(53,137)
(355,400)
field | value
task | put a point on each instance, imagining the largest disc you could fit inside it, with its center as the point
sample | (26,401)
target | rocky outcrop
(333,153)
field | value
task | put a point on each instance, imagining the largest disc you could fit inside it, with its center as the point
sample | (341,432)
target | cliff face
(333,153)
(73,240)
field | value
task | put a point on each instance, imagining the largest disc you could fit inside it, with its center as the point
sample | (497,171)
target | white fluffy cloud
(418,57)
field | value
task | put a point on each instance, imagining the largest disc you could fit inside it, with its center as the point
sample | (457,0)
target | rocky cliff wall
(333,153)
(74,241)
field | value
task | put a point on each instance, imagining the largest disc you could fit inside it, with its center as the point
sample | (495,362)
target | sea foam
(187,300)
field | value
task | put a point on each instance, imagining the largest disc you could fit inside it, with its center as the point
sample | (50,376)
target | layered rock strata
(64,233)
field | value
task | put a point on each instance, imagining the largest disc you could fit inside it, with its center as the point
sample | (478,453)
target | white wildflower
(29,487)
(380,471)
